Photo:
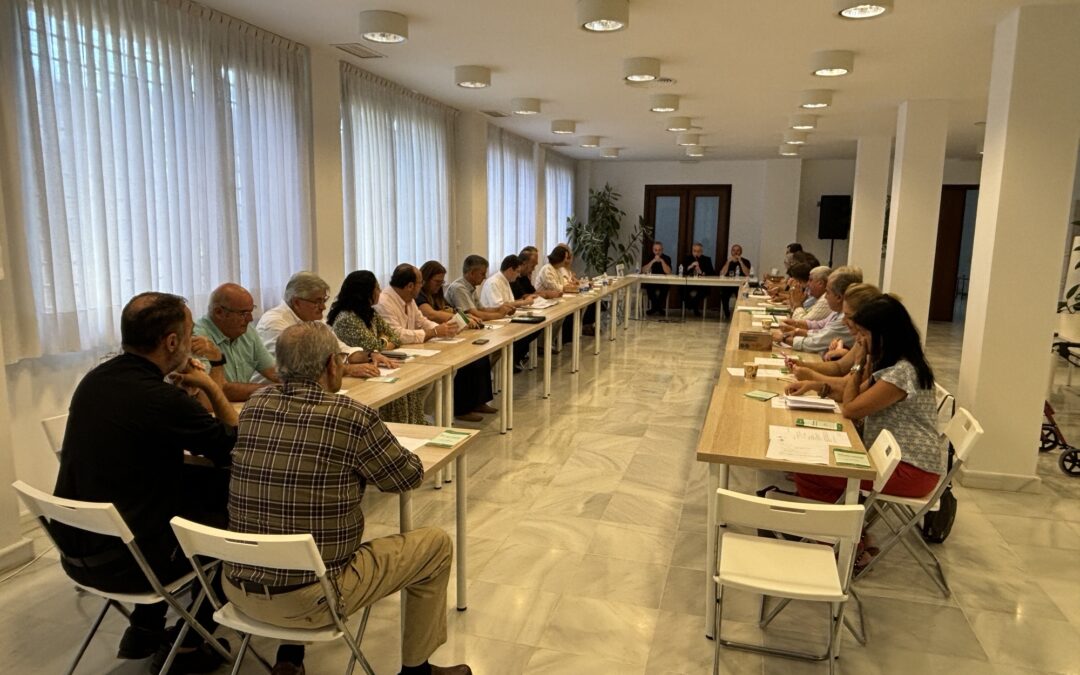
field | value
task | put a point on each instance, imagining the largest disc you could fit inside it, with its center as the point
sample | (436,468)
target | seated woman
(556,275)
(472,384)
(832,371)
(895,392)
(353,318)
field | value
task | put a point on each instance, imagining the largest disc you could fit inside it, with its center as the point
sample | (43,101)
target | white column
(921,128)
(469,234)
(328,223)
(540,162)
(1032,132)
(868,205)
(780,213)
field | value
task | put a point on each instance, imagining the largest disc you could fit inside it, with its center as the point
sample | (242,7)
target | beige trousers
(417,561)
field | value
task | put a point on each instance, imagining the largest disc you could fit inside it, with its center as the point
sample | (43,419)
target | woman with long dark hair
(895,392)
(354,320)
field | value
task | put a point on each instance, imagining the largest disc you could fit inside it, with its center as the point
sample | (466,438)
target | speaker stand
(832,243)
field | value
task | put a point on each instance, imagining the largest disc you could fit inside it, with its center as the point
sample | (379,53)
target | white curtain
(559,193)
(161,146)
(396,149)
(511,170)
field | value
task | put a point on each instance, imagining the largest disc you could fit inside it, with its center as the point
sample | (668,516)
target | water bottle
(680,270)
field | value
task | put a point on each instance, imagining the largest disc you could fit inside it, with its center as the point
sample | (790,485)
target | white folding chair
(946,406)
(103,518)
(902,514)
(54,428)
(279,551)
(795,570)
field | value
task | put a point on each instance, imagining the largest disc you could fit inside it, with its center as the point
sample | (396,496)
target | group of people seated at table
(694,264)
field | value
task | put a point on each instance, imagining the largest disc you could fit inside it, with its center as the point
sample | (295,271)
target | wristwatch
(857,368)
(215,364)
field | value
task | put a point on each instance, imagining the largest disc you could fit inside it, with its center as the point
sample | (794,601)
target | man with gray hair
(228,325)
(303,459)
(817,336)
(305,298)
(811,304)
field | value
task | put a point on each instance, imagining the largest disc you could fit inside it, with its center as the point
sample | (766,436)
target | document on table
(411,444)
(387,372)
(542,303)
(413,351)
(806,434)
(775,363)
(804,452)
(736,372)
(447,340)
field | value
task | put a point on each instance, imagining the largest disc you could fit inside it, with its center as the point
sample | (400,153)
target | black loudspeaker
(834,219)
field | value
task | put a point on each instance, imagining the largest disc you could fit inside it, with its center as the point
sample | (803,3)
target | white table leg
(505,371)
(448,416)
(462,530)
(613,321)
(508,398)
(626,306)
(547,361)
(718,478)
(575,348)
(440,420)
(598,325)
(532,355)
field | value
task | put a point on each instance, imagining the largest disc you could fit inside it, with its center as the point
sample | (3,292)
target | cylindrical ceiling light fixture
(563,126)
(603,16)
(609,153)
(384,27)
(472,77)
(664,103)
(789,150)
(678,124)
(641,69)
(589,142)
(812,99)
(695,151)
(688,139)
(795,137)
(832,63)
(803,122)
(525,106)
(851,9)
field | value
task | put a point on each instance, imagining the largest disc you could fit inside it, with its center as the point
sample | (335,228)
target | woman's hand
(801,388)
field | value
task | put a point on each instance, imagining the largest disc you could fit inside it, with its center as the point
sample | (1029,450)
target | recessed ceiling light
(609,153)
(525,106)
(603,16)
(688,139)
(789,150)
(795,137)
(803,122)
(641,69)
(664,103)
(812,99)
(472,77)
(678,124)
(695,151)
(384,27)
(833,63)
(850,9)
(589,142)
(563,126)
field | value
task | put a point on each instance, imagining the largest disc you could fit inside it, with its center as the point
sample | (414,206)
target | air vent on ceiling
(360,51)
(494,113)
(658,83)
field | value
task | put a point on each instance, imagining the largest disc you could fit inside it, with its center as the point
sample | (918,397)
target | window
(511,178)
(559,189)
(161,147)
(396,154)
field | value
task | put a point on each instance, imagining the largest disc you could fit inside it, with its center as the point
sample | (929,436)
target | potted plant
(598,241)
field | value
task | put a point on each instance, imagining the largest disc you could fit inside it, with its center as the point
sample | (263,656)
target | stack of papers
(448,438)
(769,362)
(542,303)
(447,340)
(411,444)
(811,403)
(414,351)
(806,446)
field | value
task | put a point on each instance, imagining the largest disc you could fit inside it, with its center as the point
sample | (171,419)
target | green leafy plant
(1071,303)
(599,241)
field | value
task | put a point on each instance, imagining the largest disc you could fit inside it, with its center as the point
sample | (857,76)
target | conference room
(590,336)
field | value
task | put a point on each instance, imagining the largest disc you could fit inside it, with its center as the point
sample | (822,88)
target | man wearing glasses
(305,299)
(228,325)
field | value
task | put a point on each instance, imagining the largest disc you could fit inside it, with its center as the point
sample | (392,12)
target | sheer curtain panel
(511,170)
(161,146)
(396,149)
(559,193)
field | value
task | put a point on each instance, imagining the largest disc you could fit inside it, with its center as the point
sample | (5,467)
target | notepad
(448,438)
(774,362)
(812,403)
(760,395)
(804,452)
(383,378)
(411,444)
(819,424)
(413,351)
(803,434)
(850,458)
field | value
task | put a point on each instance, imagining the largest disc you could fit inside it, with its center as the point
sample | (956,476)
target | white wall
(823,177)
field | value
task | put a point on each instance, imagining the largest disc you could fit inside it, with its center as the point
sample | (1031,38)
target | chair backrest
(54,431)
(885,454)
(99,517)
(276,551)
(814,521)
(946,406)
(963,431)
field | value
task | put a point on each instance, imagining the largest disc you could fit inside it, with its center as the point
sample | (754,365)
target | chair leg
(241,650)
(779,607)
(834,637)
(716,638)
(859,634)
(90,635)
(354,645)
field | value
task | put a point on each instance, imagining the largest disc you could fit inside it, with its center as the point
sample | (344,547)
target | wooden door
(947,253)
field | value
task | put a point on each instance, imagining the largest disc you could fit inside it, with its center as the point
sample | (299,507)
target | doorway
(684,214)
(952,258)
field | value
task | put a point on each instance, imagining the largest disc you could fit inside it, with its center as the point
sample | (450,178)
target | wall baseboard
(1008,482)
(19,553)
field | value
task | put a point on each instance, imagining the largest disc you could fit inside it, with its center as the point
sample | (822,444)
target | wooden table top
(736,428)
(433,457)
(676,280)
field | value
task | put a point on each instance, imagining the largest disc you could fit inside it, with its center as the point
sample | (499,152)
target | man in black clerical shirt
(735,266)
(126,435)
(697,264)
(660,263)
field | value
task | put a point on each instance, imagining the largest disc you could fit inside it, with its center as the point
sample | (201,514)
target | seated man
(658,264)
(303,458)
(817,336)
(126,435)
(305,298)
(523,286)
(497,291)
(697,264)
(735,266)
(464,292)
(228,325)
(811,304)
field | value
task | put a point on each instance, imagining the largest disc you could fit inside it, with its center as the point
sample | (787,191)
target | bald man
(228,325)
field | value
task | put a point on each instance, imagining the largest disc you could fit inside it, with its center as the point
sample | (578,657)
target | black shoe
(139,643)
(203,659)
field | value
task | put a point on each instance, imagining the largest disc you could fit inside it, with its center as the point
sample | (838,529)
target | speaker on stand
(834,219)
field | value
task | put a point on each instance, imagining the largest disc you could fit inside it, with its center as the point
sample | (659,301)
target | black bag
(936,525)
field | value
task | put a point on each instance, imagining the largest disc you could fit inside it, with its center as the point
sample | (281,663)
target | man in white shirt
(815,305)
(305,298)
(398,307)
(497,291)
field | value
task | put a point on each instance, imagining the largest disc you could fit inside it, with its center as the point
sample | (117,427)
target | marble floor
(587,538)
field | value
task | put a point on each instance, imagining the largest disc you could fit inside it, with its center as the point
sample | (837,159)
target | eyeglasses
(321,302)
(242,312)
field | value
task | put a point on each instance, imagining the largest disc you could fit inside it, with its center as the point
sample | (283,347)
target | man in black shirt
(126,435)
(658,264)
(697,264)
(736,266)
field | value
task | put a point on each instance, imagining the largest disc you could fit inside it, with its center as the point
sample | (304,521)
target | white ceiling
(738,65)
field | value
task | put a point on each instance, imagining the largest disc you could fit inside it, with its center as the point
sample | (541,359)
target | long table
(736,433)
(679,280)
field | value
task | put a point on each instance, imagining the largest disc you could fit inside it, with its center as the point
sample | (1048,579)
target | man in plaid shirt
(303,458)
